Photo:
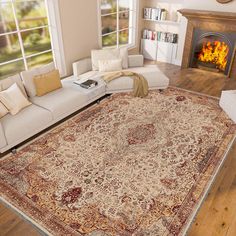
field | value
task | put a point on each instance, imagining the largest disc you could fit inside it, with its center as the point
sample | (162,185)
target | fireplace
(212,51)
(210,42)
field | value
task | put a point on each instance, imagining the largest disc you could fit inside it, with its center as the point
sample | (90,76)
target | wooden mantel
(208,15)
(207,20)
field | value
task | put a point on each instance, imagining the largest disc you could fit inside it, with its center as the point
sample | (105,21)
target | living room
(117,117)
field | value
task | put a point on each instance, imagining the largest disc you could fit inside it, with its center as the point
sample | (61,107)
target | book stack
(160,36)
(154,14)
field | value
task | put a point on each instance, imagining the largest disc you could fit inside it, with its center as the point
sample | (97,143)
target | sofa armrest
(136,60)
(82,66)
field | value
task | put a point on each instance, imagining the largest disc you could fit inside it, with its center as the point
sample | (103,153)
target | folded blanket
(140,88)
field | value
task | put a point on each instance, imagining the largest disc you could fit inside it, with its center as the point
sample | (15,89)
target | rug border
(24,216)
(207,190)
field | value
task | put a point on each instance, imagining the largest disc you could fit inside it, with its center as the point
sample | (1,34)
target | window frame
(133,19)
(54,28)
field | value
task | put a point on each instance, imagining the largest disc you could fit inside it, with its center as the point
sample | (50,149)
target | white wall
(79,25)
(211,5)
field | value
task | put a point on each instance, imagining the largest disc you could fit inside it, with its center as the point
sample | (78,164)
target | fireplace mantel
(208,15)
(207,20)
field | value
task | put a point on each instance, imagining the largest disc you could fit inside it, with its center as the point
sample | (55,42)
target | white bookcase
(159,51)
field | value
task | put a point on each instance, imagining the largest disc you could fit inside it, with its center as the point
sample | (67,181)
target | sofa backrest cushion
(13,99)
(8,82)
(28,77)
(3,110)
(47,83)
(82,66)
(109,54)
(103,54)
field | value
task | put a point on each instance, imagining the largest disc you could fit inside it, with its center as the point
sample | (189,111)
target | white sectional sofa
(156,79)
(52,107)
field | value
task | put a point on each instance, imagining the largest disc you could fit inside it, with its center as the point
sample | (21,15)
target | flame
(215,52)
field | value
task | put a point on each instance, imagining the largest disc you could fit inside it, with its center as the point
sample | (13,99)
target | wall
(211,5)
(79,25)
(170,5)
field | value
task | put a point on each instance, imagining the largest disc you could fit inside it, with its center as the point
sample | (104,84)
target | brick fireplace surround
(208,20)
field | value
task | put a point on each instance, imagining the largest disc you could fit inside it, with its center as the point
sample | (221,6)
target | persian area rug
(128,166)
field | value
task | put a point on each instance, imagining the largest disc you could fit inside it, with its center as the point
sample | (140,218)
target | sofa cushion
(27,77)
(61,102)
(155,78)
(8,82)
(29,121)
(91,94)
(3,141)
(103,54)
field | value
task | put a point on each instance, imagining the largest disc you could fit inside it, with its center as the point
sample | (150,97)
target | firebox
(212,51)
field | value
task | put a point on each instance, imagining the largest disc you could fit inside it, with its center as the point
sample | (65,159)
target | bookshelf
(161,16)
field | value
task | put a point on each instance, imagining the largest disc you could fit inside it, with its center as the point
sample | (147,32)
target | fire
(216,53)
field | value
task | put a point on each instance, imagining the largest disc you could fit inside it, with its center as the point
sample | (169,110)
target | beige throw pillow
(13,99)
(110,65)
(3,110)
(47,83)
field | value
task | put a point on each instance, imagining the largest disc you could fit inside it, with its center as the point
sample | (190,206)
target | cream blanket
(140,88)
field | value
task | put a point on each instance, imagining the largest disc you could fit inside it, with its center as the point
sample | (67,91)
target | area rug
(128,166)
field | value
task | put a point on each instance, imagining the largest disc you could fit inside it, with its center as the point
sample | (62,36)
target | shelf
(158,41)
(163,22)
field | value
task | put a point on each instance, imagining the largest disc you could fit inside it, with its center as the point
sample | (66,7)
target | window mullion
(117,24)
(19,35)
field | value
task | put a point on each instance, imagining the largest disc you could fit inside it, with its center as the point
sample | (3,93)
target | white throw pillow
(124,57)
(13,99)
(3,110)
(103,54)
(28,77)
(110,65)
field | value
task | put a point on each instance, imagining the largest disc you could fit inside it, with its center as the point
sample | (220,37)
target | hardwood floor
(217,215)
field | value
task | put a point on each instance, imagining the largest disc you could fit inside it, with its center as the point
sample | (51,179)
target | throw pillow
(28,77)
(47,83)
(13,99)
(124,57)
(3,110)
(110,65)
(103,54)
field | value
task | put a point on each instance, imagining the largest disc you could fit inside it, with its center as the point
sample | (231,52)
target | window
(24,36)
(118,19)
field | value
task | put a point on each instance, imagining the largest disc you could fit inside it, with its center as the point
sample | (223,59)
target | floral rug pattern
(128,166)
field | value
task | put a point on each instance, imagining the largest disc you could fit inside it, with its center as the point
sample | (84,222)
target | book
(160,36)
(87,84)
